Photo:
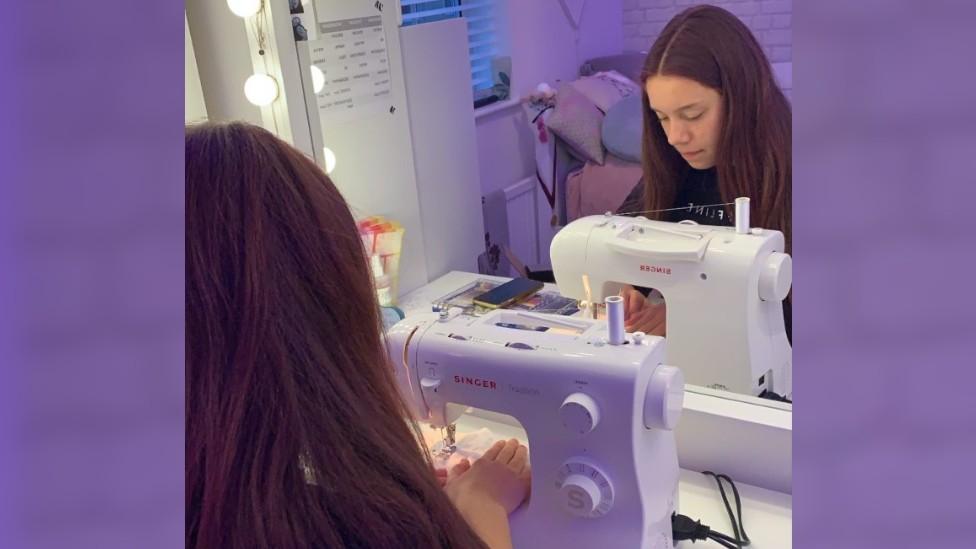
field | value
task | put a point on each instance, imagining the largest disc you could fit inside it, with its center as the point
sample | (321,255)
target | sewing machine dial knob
(776,277)
(584,489)
(579,413)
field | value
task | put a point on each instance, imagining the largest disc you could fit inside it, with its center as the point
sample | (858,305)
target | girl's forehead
(676,92)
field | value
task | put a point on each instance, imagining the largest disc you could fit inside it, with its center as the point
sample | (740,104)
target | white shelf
(498,106)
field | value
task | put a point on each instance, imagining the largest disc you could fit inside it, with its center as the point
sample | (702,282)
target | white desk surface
(767,515)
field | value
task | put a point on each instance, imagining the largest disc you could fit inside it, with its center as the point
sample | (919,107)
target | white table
(767,514)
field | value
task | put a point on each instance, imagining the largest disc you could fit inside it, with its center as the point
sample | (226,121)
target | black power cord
(737,524)
(684,528)
(769,395)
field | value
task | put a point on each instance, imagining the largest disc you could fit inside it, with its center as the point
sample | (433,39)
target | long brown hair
(295,435)
(714,48)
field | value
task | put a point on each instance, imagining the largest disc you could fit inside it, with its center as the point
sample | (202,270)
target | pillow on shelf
(628,64)
(622,129)
(577,121)
(605,89)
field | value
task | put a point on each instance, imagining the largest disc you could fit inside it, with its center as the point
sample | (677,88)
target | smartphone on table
(508,293)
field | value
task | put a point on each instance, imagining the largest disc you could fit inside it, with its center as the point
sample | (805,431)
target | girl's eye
(696,117)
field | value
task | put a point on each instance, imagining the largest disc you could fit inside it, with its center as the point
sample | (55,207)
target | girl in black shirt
(716,127)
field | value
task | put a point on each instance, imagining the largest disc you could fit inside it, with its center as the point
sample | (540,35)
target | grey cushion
(627,64)
(622,128)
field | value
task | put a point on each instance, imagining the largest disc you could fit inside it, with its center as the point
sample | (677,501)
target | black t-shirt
(697,200)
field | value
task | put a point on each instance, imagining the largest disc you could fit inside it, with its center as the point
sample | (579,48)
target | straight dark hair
(295,433)
(711,46)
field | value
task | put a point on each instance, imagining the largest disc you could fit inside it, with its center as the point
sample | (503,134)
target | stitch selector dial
(584,489)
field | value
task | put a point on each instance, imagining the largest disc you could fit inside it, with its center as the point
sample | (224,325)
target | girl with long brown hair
(716,127)
(295,435)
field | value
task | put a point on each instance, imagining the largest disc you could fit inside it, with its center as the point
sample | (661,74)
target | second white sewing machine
(723,288)
(598,417)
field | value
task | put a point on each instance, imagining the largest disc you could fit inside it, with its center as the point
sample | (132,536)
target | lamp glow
(330,159)
(244,8)
(261,89)
(318,79)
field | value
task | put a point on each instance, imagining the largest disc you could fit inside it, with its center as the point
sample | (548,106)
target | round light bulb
(330,159)
(261,89)
(244,8)
(318,79)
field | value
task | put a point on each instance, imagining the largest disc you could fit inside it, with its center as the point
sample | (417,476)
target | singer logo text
(476,381)
(655,269)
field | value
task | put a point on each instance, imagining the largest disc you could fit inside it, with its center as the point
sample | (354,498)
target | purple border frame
(91,274)
(884,157)
(91,192)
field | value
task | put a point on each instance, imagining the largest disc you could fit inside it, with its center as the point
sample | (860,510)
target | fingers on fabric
(459,469)
(651,320)
(520,460)
(492,453)
(508,451)
(633,302)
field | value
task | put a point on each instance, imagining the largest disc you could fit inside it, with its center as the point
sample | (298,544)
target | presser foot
(444,449)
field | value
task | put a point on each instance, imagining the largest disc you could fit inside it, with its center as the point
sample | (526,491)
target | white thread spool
(615,319)
(742,215)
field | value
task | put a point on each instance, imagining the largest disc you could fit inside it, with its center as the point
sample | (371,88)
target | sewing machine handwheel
(776,277)
(664,398)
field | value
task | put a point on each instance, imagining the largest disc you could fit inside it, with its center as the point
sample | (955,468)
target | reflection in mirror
(411,146)
(647,313)
(739,397)
(722,328)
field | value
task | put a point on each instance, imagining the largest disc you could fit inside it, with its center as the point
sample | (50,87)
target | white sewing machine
(598,417)
(723,287)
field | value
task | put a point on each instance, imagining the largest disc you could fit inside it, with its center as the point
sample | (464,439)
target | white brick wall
(771,21)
